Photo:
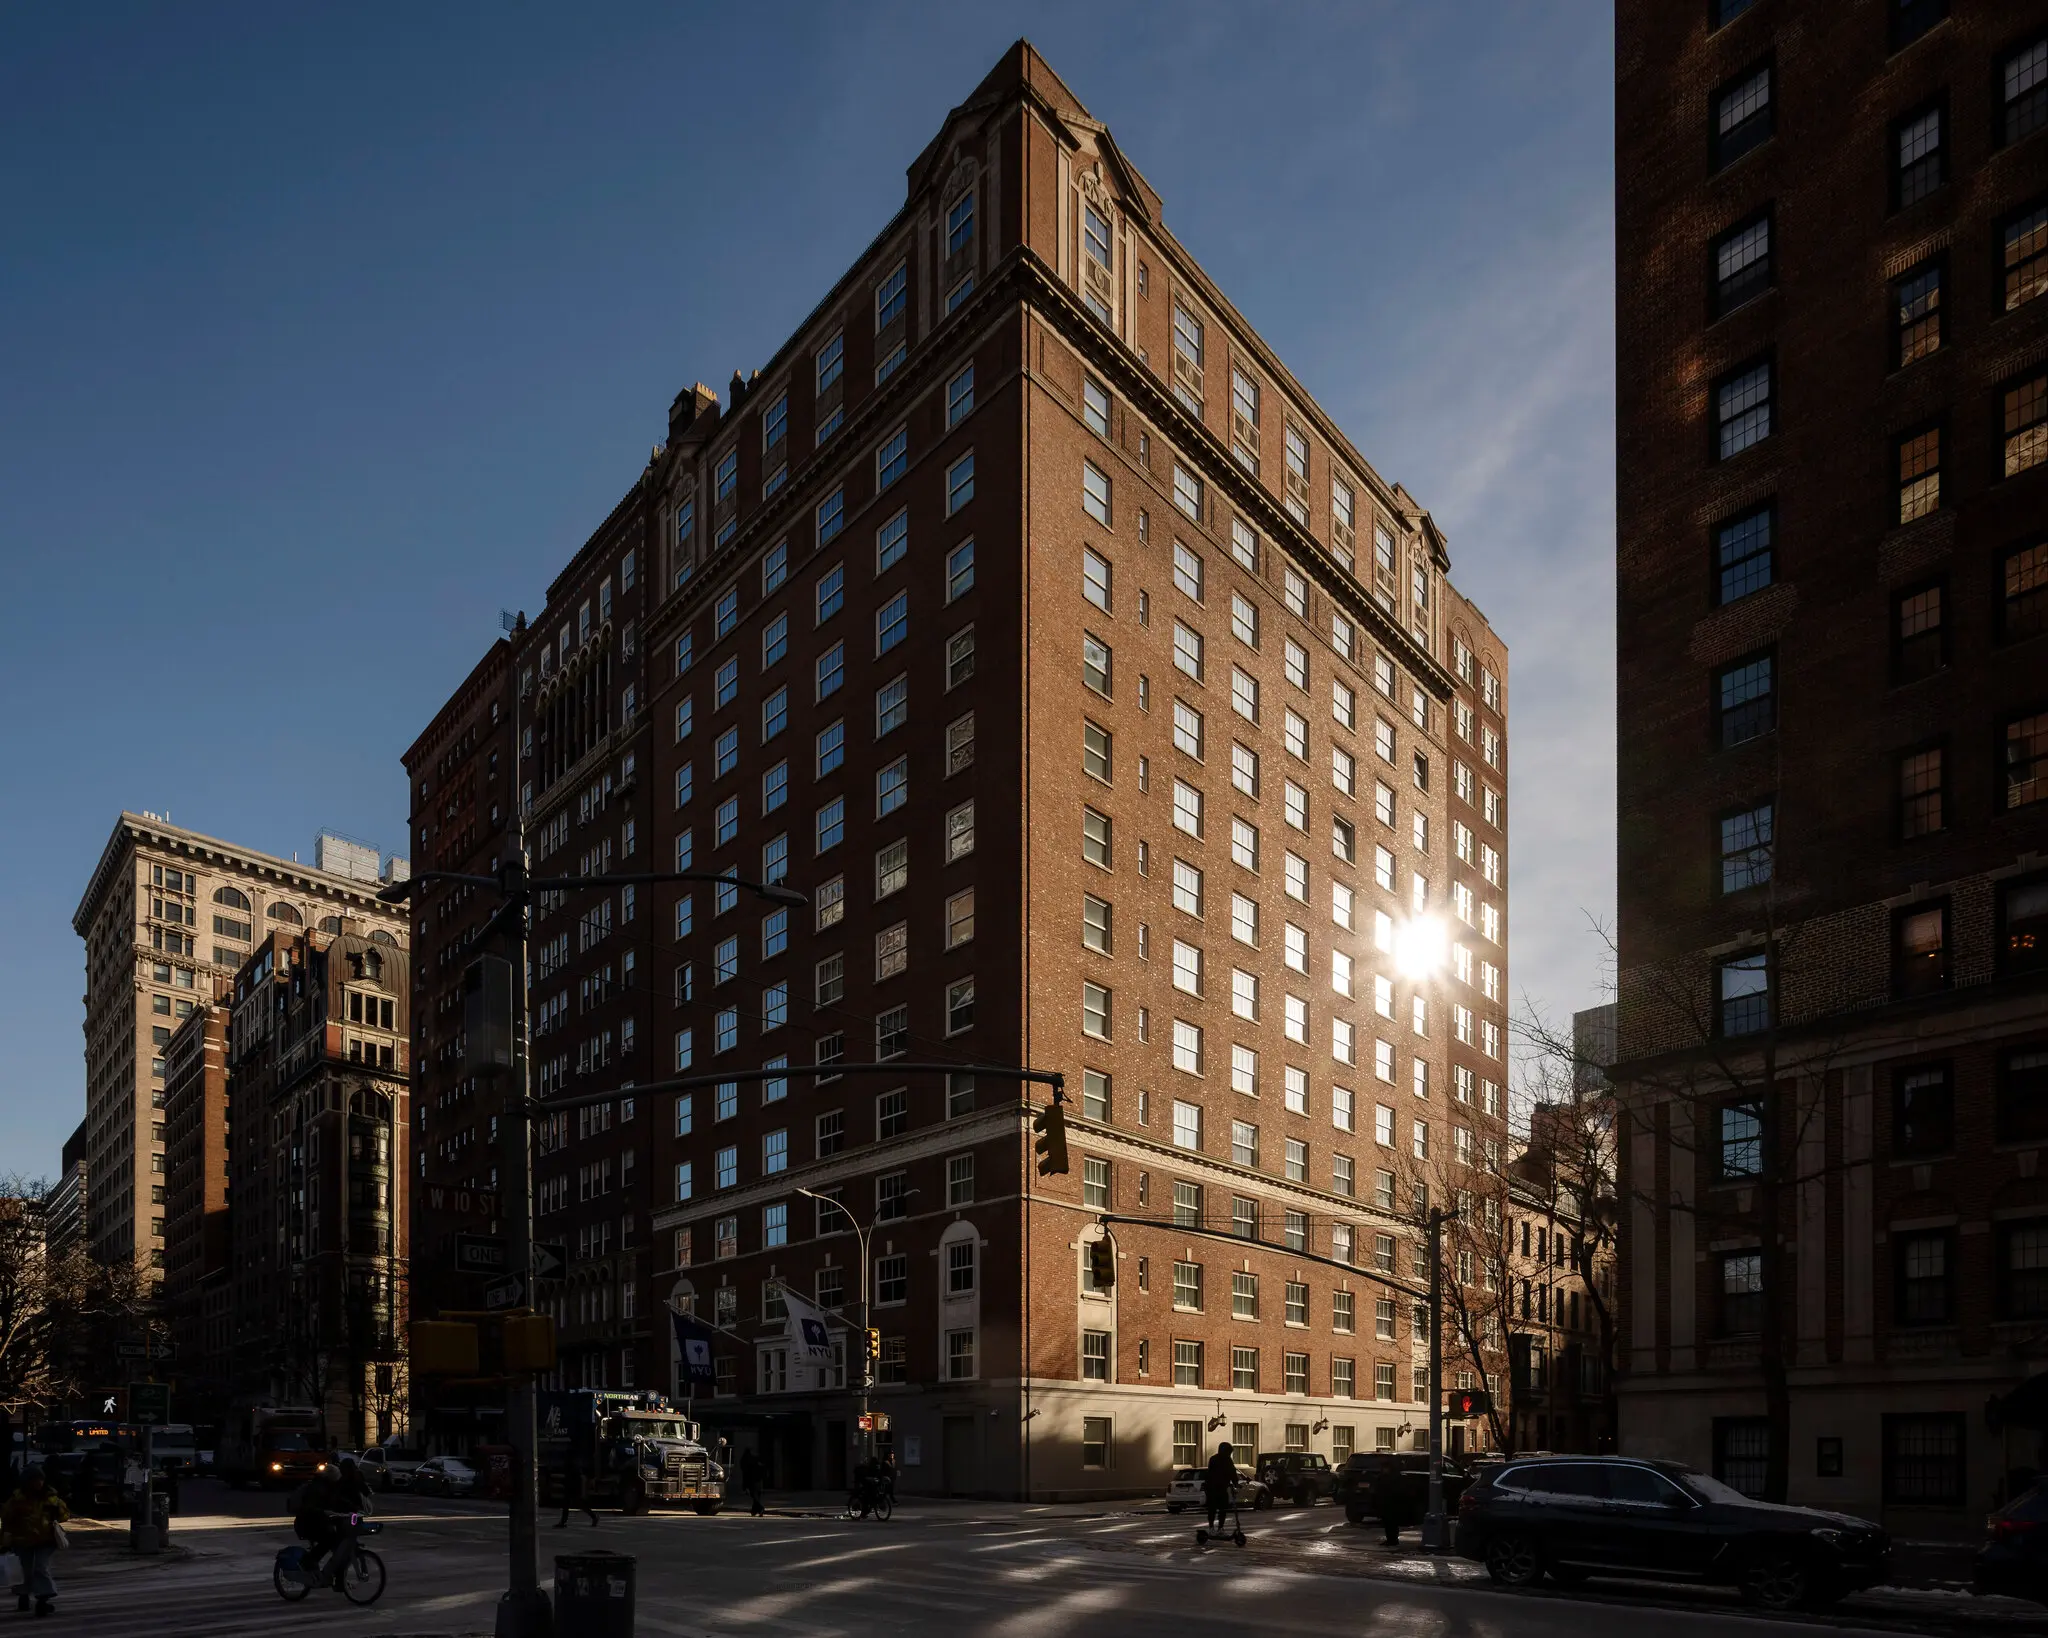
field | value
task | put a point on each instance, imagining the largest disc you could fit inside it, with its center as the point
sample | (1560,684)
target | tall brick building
(1116,717)
(1833,589)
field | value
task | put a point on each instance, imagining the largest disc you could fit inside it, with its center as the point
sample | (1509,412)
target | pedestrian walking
(573,1494)
(751,1478)
(31,1527)
(1218,1480)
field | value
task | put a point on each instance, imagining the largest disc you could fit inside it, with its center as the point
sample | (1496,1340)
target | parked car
(1298,1476)
(443,1476)
(1184,1489)
(96,1483)
(390,1467)
(1373,1482)
(2015,1559)
(1574,1517)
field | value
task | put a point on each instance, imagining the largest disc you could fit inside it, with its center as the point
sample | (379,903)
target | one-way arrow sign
(505,1293)
(550,1261)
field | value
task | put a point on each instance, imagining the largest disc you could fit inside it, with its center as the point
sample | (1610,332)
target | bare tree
(1478,1311)
(60,1311)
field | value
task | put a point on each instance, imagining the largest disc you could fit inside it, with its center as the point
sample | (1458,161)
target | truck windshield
(288,1441)
(660,1430)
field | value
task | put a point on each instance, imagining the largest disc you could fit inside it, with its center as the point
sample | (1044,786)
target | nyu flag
(693,1347)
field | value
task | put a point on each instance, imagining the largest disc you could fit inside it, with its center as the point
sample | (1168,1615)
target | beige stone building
(168,916)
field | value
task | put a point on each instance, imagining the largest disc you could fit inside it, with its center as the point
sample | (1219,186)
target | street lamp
(523,1612)
(867,1432)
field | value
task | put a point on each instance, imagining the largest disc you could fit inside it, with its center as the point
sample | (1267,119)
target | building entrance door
(962,1455)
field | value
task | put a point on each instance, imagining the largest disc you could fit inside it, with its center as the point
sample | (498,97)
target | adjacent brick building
(1116,717)
(1833,711)
(198,1250)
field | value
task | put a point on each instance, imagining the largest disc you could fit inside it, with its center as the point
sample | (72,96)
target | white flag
(807,1329)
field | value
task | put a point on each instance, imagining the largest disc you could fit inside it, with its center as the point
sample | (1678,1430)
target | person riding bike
(335,1489)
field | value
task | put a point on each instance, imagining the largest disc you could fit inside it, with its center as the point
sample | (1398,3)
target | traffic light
(1467,1402)
(1102,1263)
(874,1343)
(1050,1123)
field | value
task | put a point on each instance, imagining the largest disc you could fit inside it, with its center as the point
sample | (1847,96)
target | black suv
(1393,1487)
(1574,1517)
(1297,1476)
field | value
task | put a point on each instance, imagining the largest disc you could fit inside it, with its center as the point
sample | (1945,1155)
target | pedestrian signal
(1467,1402)
(1050,1123)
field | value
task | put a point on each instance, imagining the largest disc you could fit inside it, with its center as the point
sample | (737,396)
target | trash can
(594,1595)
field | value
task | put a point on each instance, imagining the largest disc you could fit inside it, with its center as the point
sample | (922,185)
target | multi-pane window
(1187,359)
(2023,586)
(1096,917)
(1187,650)
(1187,491)
(1187,729)
(1742,263)
(1244,420)
(2024,258)
(1095,751)
(1095,578)
(1095,1015)
(1916,314)
(1919,647)
(2024,409)
(1187,1373)
(1742,408)
(1742,1293)
(1923,1111)
(2025,760)
(1095,407)
(1095,495)
(1095,663)
(1743,994)
(1746,847)
(1244,1295)
(1187,808)
(1187,571)
(1916,458)
(2023,85)
(1919,159)
(1742,116)
(1920,952)
(1095,837)
(1745,700)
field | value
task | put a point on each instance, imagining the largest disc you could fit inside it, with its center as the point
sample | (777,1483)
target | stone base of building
(1907,1445)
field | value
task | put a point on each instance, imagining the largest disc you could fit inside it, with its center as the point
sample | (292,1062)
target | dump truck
(633,1450)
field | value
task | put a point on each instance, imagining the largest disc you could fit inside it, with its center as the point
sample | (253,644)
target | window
(1187,491)
(1742,263)
(1095,497)
(830,594)
(959,1355)
(1744,994)
(1742,1447)
(1095,578)
(960,1192)
(1187,357)
(891,296)
(1923,1460)
(1916,308)
(1742,408)
(1095,923)
(2023,927)
(1187,650)
(1919,160)
(1188,576)
(1187,1362)
(1745,700)
(892,459)
(1187,1057)
(892,706)
(1916,471)
(1922,1262)
(1920,956)
(960,397)
(2025,410)
(1094,407)
(1095,1017)
(1923,1111)
(1187,1125)
(2023,1270)
(2026,760)
(2023,602)
(1741,1142)
(1745,560)
(1920,793)
(1187,808)
(1746,847)
(1095,751)
(1919,638)
(2023,77)
(959,483)
(1244,1295)
(1913,18)
(831,825)
(1742,1293)
(2025,258)
(1742,116)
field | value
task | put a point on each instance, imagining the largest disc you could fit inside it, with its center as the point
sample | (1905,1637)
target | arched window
(233,897)
(330,924)
(373,964)
(379,936)
(280,911)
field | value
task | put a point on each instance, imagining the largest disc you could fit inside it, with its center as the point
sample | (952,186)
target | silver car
(444,1476)
(1184,1490)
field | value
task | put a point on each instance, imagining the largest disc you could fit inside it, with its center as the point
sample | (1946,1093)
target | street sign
(506,1293)
(481,1254)
(144,1350)
(550,1261)
(149,1402)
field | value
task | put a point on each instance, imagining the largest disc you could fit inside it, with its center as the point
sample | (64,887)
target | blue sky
(326,332)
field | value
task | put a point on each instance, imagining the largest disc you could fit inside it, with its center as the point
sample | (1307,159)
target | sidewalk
(99,1547)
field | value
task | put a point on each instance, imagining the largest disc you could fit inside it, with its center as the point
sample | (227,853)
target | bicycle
(866,1498)
(352,1569)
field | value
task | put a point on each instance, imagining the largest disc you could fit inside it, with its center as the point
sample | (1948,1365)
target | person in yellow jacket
(28,1529)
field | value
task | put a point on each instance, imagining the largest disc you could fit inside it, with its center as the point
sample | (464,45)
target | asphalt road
(996,1569)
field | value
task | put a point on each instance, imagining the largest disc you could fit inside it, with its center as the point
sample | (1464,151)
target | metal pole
(867,1431)
(1434,1533)
(524,1612)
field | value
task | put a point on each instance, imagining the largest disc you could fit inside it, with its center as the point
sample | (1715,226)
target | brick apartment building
(319,1101)
(1116,717)
(198,1242)
(1833,590)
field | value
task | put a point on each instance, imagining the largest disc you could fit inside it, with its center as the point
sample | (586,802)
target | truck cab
(633,1450)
